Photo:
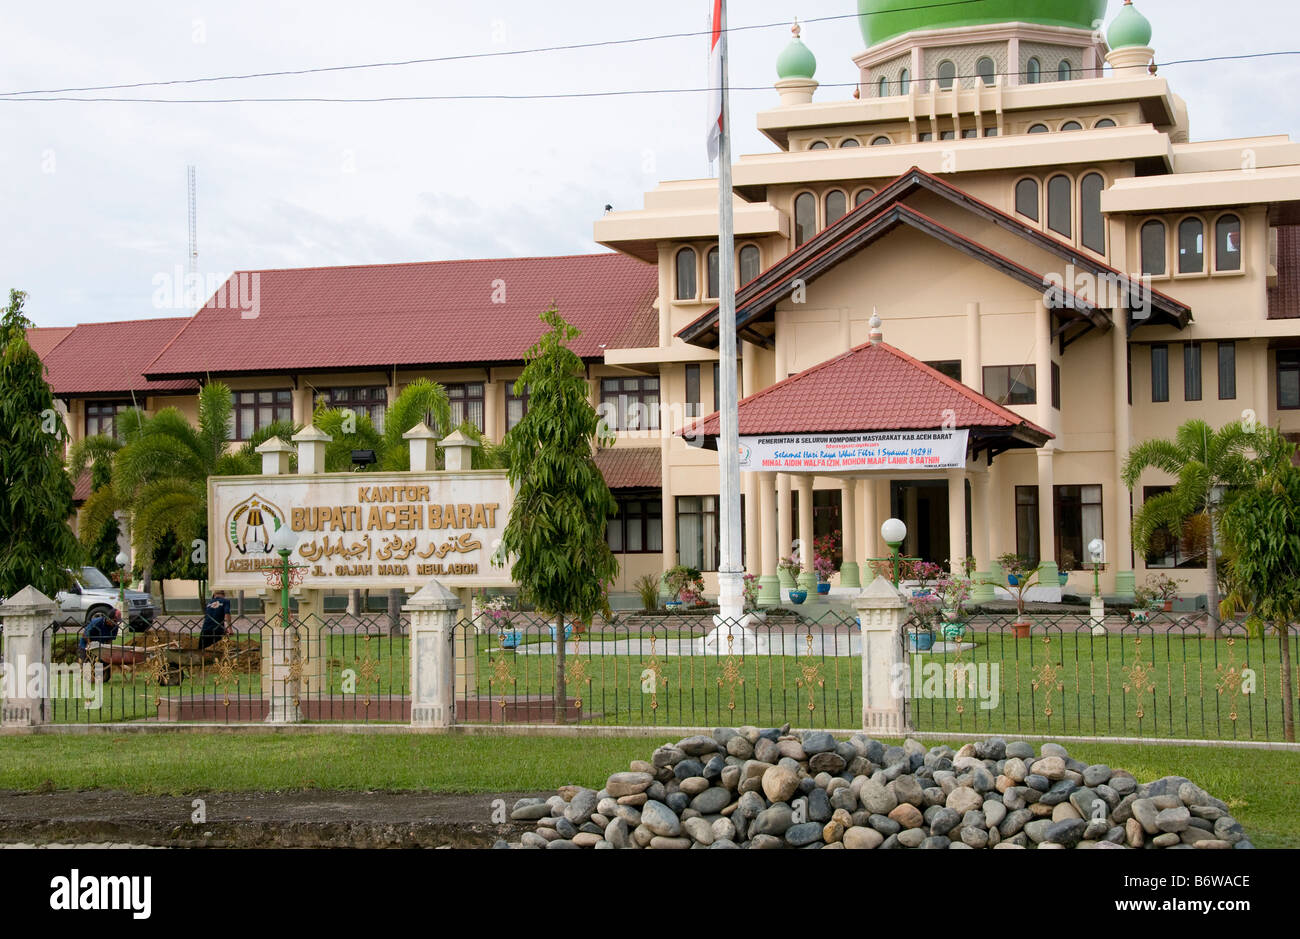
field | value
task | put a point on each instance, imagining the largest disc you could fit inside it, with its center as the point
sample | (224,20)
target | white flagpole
(730,570)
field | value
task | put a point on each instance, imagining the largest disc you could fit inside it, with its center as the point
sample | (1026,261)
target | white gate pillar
(881,609)
(433,654)
(26,616)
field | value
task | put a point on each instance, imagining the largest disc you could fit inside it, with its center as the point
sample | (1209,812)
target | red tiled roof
(1284,299)
(869,388)
(110,358)
(630,467)
(414,314)
(43,339)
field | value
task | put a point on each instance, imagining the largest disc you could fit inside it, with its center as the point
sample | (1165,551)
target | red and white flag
(715,82)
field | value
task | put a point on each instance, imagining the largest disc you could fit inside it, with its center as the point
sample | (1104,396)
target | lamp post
(284,707)
(894,532)
(1097,608)
(122,560)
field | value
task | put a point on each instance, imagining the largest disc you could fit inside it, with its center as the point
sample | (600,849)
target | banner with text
(830,453)
(361,530)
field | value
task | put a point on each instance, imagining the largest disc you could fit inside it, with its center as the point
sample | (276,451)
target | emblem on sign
(251,524)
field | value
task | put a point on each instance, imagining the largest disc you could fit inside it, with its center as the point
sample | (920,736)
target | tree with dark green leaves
(1205,463)
(1261,541)
(556,530)
(37,545)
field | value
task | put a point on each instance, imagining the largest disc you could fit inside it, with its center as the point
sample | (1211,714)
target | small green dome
(796,60)
(1129,28)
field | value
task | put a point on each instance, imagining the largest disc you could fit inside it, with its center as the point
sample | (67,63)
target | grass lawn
(1262,787)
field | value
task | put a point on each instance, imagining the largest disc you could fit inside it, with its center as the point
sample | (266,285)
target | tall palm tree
(1205,463)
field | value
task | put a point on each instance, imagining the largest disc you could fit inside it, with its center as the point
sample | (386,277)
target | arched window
(749,263)
(862,196)
(1191,246)
(1071,125)
(1227,243)
(882,87)
(1058,205)
(1153,248)
(819,145)
(904,82)
(805,217)
(1104,122)
(1038,128)
(686,274)
(880,141)
(711,266)
(984,69)
(849,142)
(1027,198)
(947,72)
(1063,71)
(1092,227)
(1033,71)
(837,203)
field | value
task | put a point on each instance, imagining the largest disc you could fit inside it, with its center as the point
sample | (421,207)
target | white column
(433,655)
(784,522)
(491,405)
(769,583)
(27,616)
(979,523)
(881,611)
(957,522)
(753,527)
(275,456)
(1119,554)
(311,449)
(1046,517)
(422,440)
(669,508)
(1047,415)
(849,571)
(972,372)
(804,483)
(869,530)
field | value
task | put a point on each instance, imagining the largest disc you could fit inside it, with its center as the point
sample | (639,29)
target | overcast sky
(94,197)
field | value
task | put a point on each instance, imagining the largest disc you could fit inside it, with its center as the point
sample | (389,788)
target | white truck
(92,592)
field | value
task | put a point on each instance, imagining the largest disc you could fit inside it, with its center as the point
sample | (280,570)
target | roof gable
(110,358)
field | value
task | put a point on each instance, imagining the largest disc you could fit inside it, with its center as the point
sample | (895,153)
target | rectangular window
(630,403)
(466,401)
(638,528)
(1027,522)
(1077,511)
(1170,549)
(1010,384)
(692,391)
(1056,386)
(1227,371)
(1191,371)
(101,417)
(717,388)
(949,367)
(372,401)
(516,405)
(697,532)
(1160,372)
(254,410)
(1288,379)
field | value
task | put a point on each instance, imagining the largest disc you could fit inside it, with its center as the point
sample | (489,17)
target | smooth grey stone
(1174,819)
(656,791)
(884,824)
(973,819)
(666,756)
(723,735)
(944,821)
(688,768)
(1084,802)
(826,762)
(1123,783)
(565,827)
(773,821)
(891,842)
(697,745)
(560,843)
(1014,821)
(844,799)
(1037,782)
(910,837)
(936,842)
(531,839)
(1096,829)
(1053,749)
(660,819)
(740,748)
(1020,750)
(765,842)
(877,799)
(1096,774)
(1068,832)
(994,748)
(723,844)
(749,805)
(1059,792)
(994,812)
(1145,811)
(1229,829)
(817,741)
(804,834)
(819,806)
(1111,797)
(678,801)
(711,801)
(713,769)
(1037,829)
(906,789)
(975,837)
(529,813)
(617,833)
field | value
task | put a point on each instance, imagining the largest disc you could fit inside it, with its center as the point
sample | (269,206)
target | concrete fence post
(882,611)
(26,616)
(433,654)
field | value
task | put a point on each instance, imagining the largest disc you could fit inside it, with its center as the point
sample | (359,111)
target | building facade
(1018,197)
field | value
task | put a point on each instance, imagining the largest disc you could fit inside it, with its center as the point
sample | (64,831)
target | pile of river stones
(773,788)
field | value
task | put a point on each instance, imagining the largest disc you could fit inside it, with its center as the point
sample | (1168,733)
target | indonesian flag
(715,82)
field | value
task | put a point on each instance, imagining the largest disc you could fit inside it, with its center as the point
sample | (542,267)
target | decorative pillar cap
(876,335)
(420,431)
(275,445)
(311,434)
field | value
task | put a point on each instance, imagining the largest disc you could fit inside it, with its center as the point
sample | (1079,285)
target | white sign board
(845,453)
(373,531)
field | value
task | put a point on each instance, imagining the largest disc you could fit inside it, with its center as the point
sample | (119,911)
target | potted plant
(647,587)
(1021,575)
(791,567)
(925,610)
(823,567)
(1164,590)
(750,590)
(1143,600)
(953,593)
(685,587)
(1068,563)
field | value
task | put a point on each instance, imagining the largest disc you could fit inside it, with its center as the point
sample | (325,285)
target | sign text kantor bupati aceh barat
(360,530)
(831,453)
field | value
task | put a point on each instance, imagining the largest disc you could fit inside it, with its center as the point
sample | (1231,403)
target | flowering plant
(751,588)
(823,566)
(685,584)
(955,591)
(827,545)
(790,566)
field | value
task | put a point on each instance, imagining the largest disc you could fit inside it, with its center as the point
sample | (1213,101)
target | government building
(1006,229)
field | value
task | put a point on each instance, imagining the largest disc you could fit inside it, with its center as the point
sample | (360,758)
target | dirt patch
(299,819)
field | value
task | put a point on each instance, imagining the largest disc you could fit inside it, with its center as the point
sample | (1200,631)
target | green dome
(885,19)
(1129,28)
(796,60)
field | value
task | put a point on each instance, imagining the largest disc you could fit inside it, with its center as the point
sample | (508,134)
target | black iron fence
(333,668)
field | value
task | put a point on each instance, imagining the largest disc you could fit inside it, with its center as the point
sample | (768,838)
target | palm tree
(161,467)
(1205,463)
